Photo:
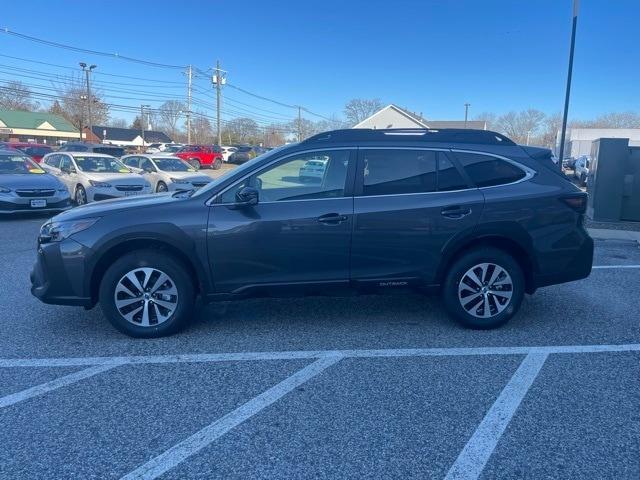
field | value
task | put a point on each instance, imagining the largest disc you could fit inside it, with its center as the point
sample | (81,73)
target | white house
(393,116)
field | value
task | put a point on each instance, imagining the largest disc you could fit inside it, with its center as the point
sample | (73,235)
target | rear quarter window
(488,171)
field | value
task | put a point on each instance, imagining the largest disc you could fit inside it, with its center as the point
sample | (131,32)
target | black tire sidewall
(79,189)
(461,266)
(195,163)
(161,261)
(217,163)
(164,185)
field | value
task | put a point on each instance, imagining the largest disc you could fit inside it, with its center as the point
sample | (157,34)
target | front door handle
(332,219)
(455,212)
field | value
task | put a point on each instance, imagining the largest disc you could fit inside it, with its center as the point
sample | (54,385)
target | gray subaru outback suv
(466,213)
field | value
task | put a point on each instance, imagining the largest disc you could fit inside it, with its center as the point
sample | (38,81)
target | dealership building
(38,127)
(580,140)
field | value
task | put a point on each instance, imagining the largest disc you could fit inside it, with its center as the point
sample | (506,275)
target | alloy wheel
(146,297)
(485,290)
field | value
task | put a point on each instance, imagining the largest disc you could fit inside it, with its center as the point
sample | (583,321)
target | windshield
(239,170)
(172,148)
(16,164)
(101,165)
(172,165)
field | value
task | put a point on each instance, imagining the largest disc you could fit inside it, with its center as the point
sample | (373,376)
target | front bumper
(95,194)
(59,274)
(10,204)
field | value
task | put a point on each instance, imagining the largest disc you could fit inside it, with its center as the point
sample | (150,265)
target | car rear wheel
(161,187)
(147,294)
(80,196)
(484,288)
(217,164)
(195,163)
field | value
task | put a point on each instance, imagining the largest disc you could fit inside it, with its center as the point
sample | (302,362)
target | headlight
(58,231)
(5,190)
(100,184)
(179,180)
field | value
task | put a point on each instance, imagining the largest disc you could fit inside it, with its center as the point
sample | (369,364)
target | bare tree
(610,120)
(520,126)
(241,130)
(117,123)
(15,95)
(358,109)
(169,115)
(202,131)
(489,117)
(73,105)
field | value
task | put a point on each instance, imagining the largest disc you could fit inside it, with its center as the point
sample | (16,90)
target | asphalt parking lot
(365,387)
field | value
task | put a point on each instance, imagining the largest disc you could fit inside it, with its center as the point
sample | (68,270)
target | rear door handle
(455,212)
(332,219)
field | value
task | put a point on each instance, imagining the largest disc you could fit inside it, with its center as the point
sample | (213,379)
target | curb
(606,234)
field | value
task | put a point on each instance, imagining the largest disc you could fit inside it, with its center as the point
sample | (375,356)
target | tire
(503,301)
(217,163)
(195,163)
(177,293)
(80,196)
(583,180)
(161,187)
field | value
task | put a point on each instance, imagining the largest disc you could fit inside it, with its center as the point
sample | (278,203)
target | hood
(30,180)
(116,205)
(191,176)
(116,178)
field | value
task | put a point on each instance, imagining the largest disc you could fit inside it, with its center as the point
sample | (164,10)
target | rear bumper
(58,274)
(573,265)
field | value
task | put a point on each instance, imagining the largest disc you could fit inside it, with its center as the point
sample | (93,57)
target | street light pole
(563,133)
(87,72)
(142,107)
(466,113)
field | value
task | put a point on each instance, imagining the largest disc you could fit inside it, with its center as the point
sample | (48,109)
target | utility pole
(219,79)
(563,133)
(142,107)
(466,113)
(299,123)
(189,80)
(87,71)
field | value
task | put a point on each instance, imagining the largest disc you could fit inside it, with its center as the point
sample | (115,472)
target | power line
(86,50)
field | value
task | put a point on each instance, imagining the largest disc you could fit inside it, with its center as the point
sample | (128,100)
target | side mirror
(247,197)
(65,170)
(149,170)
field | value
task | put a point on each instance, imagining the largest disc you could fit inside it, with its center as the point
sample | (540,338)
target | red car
(201,156)
(34,150)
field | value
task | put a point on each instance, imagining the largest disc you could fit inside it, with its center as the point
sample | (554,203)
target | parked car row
(83,177)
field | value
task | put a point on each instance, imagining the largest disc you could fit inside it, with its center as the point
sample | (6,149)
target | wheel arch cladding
(133,244)
(500,241)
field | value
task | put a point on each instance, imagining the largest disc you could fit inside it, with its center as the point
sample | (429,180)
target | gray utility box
(614,181)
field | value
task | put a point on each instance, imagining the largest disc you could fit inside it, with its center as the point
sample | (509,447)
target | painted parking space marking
(54,384)
(310,355)
(476,453)
(196,442)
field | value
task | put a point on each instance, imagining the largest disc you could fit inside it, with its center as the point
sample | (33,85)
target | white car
(581,169)
(94,176)
(158,147)
(166,173)
(227,151)
(314,169)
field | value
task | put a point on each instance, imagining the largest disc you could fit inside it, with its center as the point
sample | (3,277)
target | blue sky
(428,56)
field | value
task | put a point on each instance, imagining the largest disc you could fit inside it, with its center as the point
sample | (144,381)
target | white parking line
(613,267)
(310,355)
(476,453)
(54,384)
(199,440)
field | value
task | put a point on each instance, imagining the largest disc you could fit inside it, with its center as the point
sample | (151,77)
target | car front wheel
(161,187)
(484,288)
(80,195)
(147,294)
(195,163)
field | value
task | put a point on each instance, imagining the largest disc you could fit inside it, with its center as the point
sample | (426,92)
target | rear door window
(449,178)
(488,171)
(393,172)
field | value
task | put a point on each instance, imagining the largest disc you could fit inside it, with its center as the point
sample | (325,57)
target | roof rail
(443,135)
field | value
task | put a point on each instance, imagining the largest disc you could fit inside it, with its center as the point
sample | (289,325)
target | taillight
(577,202)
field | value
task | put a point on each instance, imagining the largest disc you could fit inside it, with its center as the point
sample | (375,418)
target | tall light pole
(563,133)
(87,71)
(466,113)
(219,79)
(142,107)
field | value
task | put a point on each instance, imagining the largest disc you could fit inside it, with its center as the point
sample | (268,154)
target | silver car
(93,176)
(166,173)
(24,186)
